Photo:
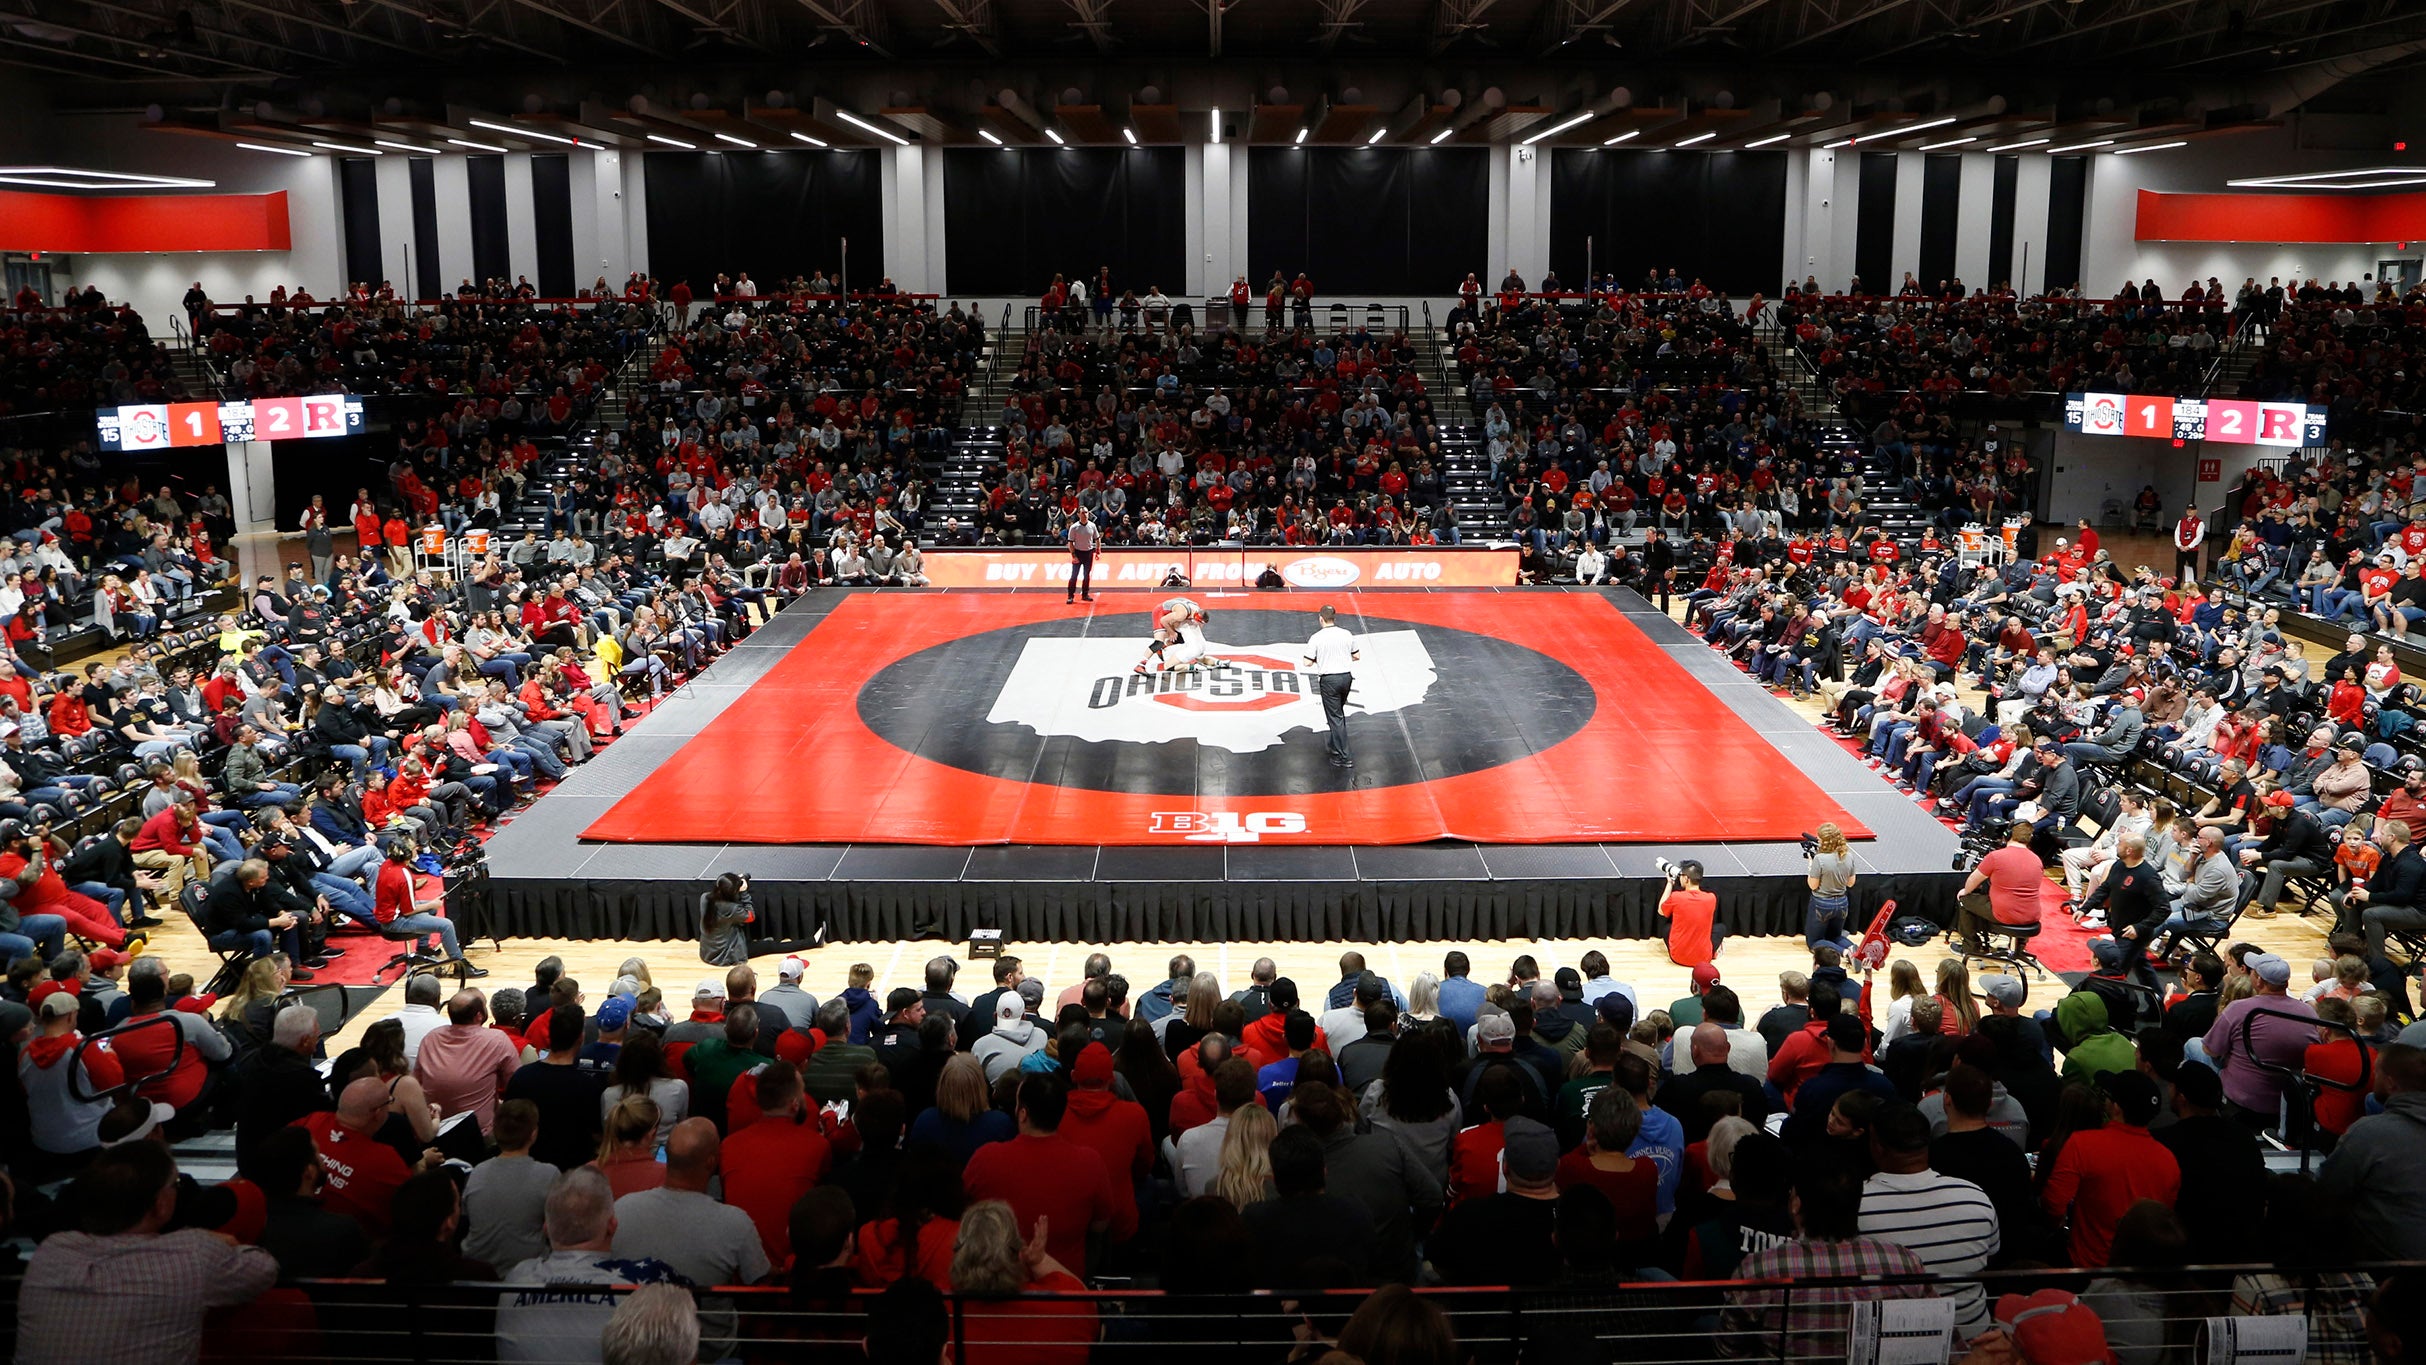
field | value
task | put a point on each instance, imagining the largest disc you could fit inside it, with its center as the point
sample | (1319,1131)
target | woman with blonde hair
(1190,1028)
(1962,1012)
(627,1148)
(1828,871)
(253,1005)
(990,1260)
(964,1117)
(1903,987)
(1244,1175)
(1423,999)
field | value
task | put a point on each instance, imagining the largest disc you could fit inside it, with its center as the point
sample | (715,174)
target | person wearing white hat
(787,997)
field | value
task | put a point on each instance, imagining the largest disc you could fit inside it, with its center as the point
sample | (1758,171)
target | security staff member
(1082,558)
(1330,657)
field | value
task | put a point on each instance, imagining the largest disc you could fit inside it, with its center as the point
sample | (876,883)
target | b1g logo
(1225,826)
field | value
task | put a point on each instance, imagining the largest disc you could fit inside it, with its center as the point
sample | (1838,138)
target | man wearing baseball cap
(1479,1241)
(1687,1011)
(2253,1094)
(2101,1173)
(1494,1049)
(786,996)
(55,1074)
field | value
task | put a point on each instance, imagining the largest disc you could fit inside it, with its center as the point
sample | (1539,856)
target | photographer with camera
(1828,871)
(1694,933)
(725,912)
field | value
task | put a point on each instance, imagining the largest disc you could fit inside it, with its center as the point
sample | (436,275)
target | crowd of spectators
(1559,1131)
(85,355)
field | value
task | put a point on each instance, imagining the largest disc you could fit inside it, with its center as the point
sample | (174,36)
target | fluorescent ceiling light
(2414,179)
(265,147)
(76,178)
(1376,136)
(474,146)
(1907,132)
(1442,136)
(980,132)
(1563,125)
(1300,139)
(866,127)
(1840,142)
(519,131)
(406,147)
(1697,137)
(737,141)
(49,182)
(804,137)
(1763,142)
(1951,142)
(2324,179)
(341,147)
(2017,146)
(1130,134)
(2081,146)
(674,142)
(1217,127)
(1627,136)
(1056,138)
(2152,147)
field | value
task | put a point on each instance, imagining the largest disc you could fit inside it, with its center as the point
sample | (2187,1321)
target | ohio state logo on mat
(1250,712)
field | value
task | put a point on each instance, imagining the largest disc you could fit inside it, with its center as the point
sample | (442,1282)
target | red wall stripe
(2281,217)
(144,222)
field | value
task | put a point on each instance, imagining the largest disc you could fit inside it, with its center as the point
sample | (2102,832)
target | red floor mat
(1000,718)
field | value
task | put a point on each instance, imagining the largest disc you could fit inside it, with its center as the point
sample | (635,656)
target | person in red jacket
(1115,1129)
(361,1171)
(781,1156)
(1266,1040)
(2101,1173)
(1042,1174)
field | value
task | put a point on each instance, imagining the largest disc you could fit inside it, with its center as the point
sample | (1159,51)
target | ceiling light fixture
(1056,138)
(1840,142)
(518,131)
(1217,127)
(1376,136)
(1907,132)
(1697,137)
(2152,147)
(1627,136)
(980,132)
(1299,140)
(737,141)
(1130,134)
(2081,146)
(674,142)
(2017,146)
(1763,142)
(265,147)
(341,147)
(1953,142)
(64,178)
(1563,125)
(459,142)
(406,147)
(1442,136)
(864,126)
(804,137)
(2324,180)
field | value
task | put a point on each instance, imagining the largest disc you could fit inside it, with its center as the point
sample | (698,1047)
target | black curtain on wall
(1941,213)
(358,193)
(492,256)
(552,219)
(1719,219)
(1013,219)
(2067,204)
(2002,198)
(422,173)
(1369,220)
(776,215)
(1874,225)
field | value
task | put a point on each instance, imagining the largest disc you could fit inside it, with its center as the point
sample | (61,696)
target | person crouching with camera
(1694,933)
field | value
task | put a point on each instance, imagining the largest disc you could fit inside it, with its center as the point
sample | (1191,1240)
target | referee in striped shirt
(1950,1224)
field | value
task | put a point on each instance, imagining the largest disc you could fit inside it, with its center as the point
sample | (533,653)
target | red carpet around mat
(1011,718)
(366,952)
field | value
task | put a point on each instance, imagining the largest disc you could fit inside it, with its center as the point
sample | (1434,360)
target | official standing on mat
(1331,657)
(1082,557)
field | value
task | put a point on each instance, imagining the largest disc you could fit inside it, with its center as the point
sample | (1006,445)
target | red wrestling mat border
(792,761)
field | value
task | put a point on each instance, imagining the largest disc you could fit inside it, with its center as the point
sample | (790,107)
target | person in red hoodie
(1115,1129)
(1266,1041)
(1042,1174)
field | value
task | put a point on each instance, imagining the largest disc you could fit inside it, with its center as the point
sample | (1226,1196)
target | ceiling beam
(1338,16)
(104,36)
(199,31)
(586,26)
(1453,19)
(1924,36)
(2136,12)
(1861,15)
(974,18)
(852,20)
(728,25)
(2405,16)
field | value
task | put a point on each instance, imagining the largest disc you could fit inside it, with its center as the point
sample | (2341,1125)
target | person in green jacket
(2091,1047)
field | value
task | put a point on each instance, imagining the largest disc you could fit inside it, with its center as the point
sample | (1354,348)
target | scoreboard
(166,426)
(2233,421)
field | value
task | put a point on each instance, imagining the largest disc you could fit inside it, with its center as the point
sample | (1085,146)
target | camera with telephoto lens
(1666,868)
(1810,843)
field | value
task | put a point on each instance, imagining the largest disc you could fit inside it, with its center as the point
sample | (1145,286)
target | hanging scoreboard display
(2232,421)
(168,426)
